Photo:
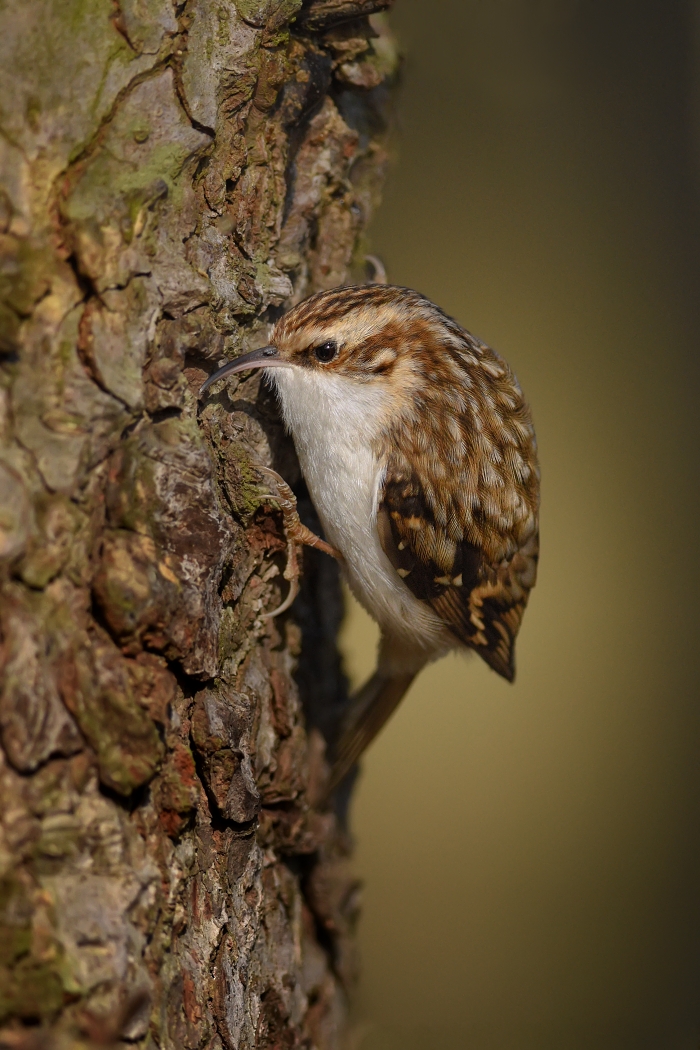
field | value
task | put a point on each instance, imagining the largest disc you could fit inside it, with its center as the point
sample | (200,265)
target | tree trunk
(172,177)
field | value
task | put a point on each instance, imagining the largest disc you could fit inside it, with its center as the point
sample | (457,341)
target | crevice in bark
(165,413)
(117,20)
(86,285)
(216,819)
(129,803)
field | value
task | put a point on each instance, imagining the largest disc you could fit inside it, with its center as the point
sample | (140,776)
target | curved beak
(265,357)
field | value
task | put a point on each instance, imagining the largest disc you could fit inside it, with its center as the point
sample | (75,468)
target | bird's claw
(297,535)
(378,274)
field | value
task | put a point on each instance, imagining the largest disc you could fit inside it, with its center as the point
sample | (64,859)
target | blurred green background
(531,853)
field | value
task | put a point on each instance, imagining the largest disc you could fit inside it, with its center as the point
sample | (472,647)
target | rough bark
(173,176)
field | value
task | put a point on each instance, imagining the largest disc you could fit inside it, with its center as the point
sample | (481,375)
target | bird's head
(367,334)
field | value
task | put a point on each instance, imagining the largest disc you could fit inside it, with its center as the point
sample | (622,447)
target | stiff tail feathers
(369,710)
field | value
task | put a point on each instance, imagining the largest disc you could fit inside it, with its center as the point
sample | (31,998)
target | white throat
(335,422)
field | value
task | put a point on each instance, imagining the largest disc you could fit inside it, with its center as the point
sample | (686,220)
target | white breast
(333,421)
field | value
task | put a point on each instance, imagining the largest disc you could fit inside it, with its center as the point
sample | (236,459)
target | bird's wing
(458,512)
(480,601)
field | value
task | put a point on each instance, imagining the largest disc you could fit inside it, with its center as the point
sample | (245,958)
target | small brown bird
(420,457)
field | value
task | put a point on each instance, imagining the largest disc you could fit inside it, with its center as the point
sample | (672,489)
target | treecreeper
(420,457)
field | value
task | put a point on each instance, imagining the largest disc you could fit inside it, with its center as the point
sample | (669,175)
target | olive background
(531,853)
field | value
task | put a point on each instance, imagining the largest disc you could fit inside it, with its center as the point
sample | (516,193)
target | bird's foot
(297,534)
(376,270)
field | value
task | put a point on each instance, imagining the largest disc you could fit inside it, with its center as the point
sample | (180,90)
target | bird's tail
(369,709)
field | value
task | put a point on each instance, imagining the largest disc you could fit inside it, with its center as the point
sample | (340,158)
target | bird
(419,453)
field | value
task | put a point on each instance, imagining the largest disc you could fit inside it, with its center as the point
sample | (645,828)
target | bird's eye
(326,351)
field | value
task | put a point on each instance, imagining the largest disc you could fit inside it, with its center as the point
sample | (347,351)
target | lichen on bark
(172,176)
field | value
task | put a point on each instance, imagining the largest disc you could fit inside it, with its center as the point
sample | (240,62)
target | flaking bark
(172,177)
